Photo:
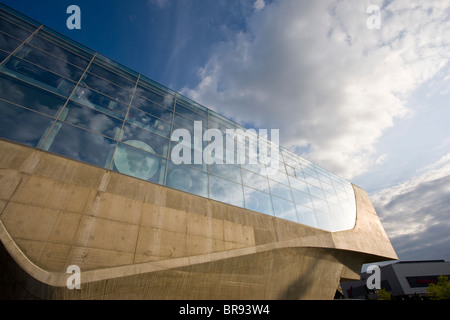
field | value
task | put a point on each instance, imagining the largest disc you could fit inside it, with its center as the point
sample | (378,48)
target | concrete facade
(137,240)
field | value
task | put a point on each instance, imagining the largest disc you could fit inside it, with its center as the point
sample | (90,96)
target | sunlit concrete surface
(138,240)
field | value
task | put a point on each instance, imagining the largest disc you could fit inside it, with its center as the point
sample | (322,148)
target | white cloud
(415,213)
(259,4)
(159,3)
(315,71)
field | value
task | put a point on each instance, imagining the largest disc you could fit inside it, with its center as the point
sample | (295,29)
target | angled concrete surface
(137,240)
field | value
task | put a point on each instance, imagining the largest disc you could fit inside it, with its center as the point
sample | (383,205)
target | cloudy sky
(371,105)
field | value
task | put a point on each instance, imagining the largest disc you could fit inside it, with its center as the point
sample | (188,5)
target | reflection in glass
(225,191)
(148,122)
(78,144)
(254,166)
(135,160)
(317,192)
(107,88)
(284,209)
(28,72)
(97,101)
(8,43)
(3,55)
(280,190)
(258,201)
(302,198)
(228,171)
(152,108)
(320,205)
(93,120)
(187,103)
(153,142)
(188,153)
(109,75)
(188,124)
(13,29)
(21,125)
(58,50)
(116,68)
(324,220)
(279,177)
(306,216)
(49,62)
(255,181)
(154,94)
(187,179)
(29,96)
(298,184)
(188,113)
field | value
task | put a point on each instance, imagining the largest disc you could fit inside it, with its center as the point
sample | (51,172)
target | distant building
(401,279)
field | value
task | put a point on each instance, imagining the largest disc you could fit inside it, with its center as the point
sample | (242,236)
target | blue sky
(369,105)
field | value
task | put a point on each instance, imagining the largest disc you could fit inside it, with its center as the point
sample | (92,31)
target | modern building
(88,179)
(403,279)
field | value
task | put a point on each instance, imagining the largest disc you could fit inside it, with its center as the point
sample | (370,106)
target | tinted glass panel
(112,76)
(21,125)
(58,51)
(255,181)
(145,140)
(279,177)
(161,98)
(146,121)
(152,108)
(188,113)
(93,120)
(66,48)
(30,96)
(187,179)
(280,190)
(258,201)
(3,55)
(13,29)
(38,76)
(99,102)
(284,209)
(80,145)
(8,43)
(306,216)
(189,154)
(116,68)
(49,62)
(138,163)
(188,124)
(226,191)
(298,184)
(228,171)
(302,198)
(107,88)
(189,104)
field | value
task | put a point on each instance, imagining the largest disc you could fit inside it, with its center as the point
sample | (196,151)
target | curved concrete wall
(138,240)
